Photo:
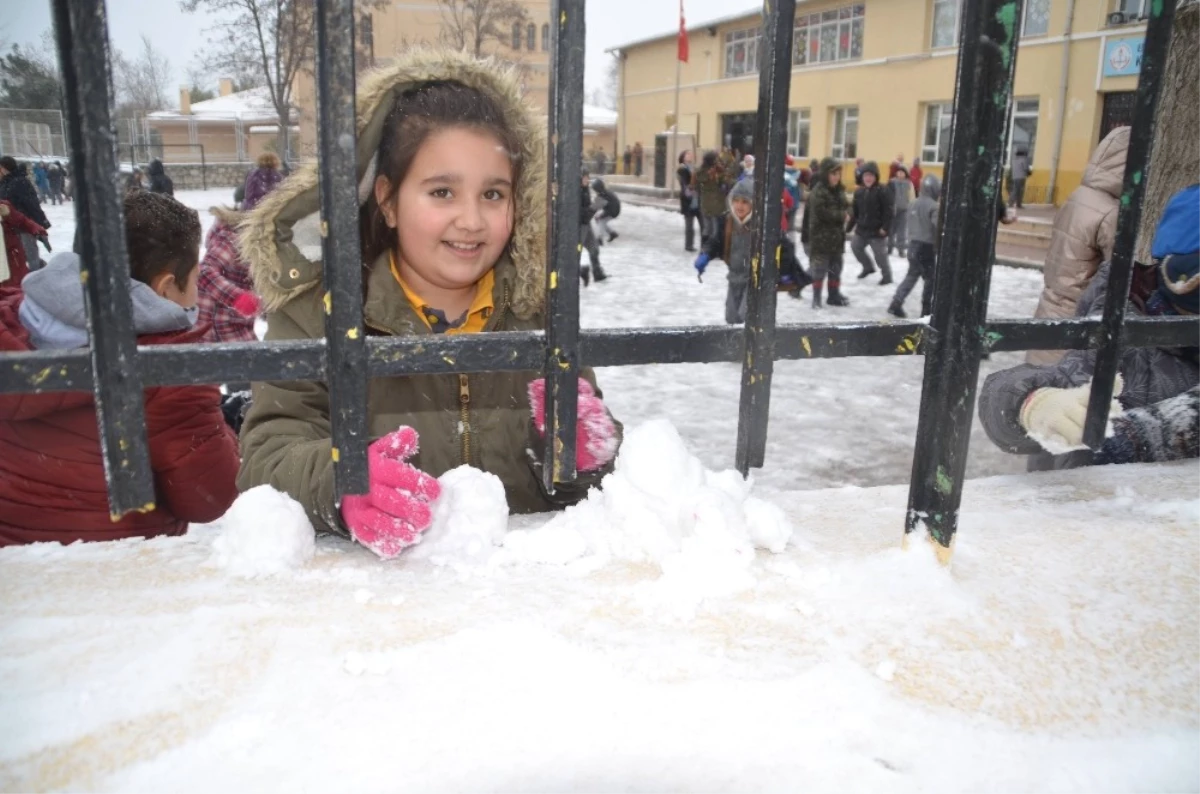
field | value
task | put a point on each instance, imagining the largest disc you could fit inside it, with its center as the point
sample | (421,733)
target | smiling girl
(452,214)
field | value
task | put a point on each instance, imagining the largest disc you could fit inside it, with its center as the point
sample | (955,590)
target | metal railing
(116,370)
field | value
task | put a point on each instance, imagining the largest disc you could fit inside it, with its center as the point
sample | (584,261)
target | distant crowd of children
(878,218)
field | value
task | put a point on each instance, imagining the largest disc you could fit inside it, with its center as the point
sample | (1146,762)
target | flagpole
(680,54)
(675,125)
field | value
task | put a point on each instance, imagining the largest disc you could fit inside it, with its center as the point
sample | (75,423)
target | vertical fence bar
(1129,215)
(970,203)
(770,143)
(347,369)
(562,286)
(81,31)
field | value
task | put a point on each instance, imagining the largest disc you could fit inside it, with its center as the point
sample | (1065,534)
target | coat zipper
(464,408)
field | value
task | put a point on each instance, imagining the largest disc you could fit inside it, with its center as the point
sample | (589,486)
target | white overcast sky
(181,36)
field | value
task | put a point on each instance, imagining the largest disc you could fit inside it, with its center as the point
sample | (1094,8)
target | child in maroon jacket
(52,485)
(13,264)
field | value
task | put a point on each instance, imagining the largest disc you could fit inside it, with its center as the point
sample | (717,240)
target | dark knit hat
(1179,283)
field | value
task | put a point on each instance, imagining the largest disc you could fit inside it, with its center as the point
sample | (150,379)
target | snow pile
(265,532)
(661,506)
(470,519)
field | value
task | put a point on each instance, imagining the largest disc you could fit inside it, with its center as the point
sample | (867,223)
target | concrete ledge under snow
(1060,652)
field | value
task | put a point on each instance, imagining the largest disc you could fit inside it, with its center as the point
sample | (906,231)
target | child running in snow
(733,242)
(453,220)
(607,207)
(51,473)
(922,248)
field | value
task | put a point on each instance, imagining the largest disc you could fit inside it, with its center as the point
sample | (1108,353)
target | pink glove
(399,506)
(595,435)
(247,304)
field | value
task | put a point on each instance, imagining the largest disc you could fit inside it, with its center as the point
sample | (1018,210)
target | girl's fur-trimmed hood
(280,238)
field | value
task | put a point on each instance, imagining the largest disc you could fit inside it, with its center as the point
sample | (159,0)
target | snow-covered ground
(833,422)
(640,642)
(1060,652)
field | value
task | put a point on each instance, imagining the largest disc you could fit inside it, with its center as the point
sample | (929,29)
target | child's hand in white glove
(1055,417)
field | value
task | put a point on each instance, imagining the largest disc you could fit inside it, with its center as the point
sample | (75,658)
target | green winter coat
(482,419)
(711,183)
(825,213)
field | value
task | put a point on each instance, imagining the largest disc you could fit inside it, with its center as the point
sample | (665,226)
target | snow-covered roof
(253,104)
(596,116)
(270,128)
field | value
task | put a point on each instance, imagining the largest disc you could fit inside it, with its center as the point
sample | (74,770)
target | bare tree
(470,24)
(271,39)
(1176,162)
(141,80)
(605,94)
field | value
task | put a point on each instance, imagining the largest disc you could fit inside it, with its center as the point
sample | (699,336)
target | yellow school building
(875,78)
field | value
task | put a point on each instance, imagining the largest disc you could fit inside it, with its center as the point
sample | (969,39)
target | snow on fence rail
(116,370)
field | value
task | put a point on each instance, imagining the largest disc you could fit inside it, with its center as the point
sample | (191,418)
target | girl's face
(453,213)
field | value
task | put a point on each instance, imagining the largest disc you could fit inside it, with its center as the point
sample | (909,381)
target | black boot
(836,298)
(866,273)
(585,275)
(600,274)
(896,310)
(612,236)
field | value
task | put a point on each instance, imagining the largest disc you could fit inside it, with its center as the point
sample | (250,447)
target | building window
(798,133)
(531,37)
(1132,9)
(1037,18)
(829,36)
(741,52)
(1024,127)
(546,37)
(845,133)
(938,121)
(945,23)
(516,37)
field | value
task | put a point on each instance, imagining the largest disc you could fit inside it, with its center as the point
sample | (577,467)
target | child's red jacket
(13,225)
(51,475)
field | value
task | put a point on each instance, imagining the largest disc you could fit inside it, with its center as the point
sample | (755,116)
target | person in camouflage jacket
(824,220)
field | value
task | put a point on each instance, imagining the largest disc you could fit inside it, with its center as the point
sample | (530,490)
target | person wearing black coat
(689,198)
(159,181)
(870,220)
(16,188)
(587,237)
(56,176)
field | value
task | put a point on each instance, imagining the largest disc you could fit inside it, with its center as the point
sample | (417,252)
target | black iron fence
(116,370)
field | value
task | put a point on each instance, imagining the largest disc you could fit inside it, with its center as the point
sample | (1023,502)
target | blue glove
(701,263)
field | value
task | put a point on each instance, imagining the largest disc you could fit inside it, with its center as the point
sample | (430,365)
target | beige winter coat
(1083,235)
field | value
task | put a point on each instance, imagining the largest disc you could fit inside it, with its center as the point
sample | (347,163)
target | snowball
(265,532)
(886,670)
(470,518)
(661,506)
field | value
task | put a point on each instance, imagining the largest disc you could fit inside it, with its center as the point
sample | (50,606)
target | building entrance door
(737,132)
(1118,111)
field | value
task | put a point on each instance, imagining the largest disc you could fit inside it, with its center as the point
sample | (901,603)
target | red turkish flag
(683,39)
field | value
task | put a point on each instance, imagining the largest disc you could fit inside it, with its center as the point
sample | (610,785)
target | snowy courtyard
(682,630)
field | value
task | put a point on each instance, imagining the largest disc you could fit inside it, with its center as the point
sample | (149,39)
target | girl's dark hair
(416,114)
(710,159)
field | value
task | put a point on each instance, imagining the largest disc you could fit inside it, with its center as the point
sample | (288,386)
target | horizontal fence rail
(178,365)
(115,370)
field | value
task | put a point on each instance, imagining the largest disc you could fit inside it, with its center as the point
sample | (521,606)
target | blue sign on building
(1123,56)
